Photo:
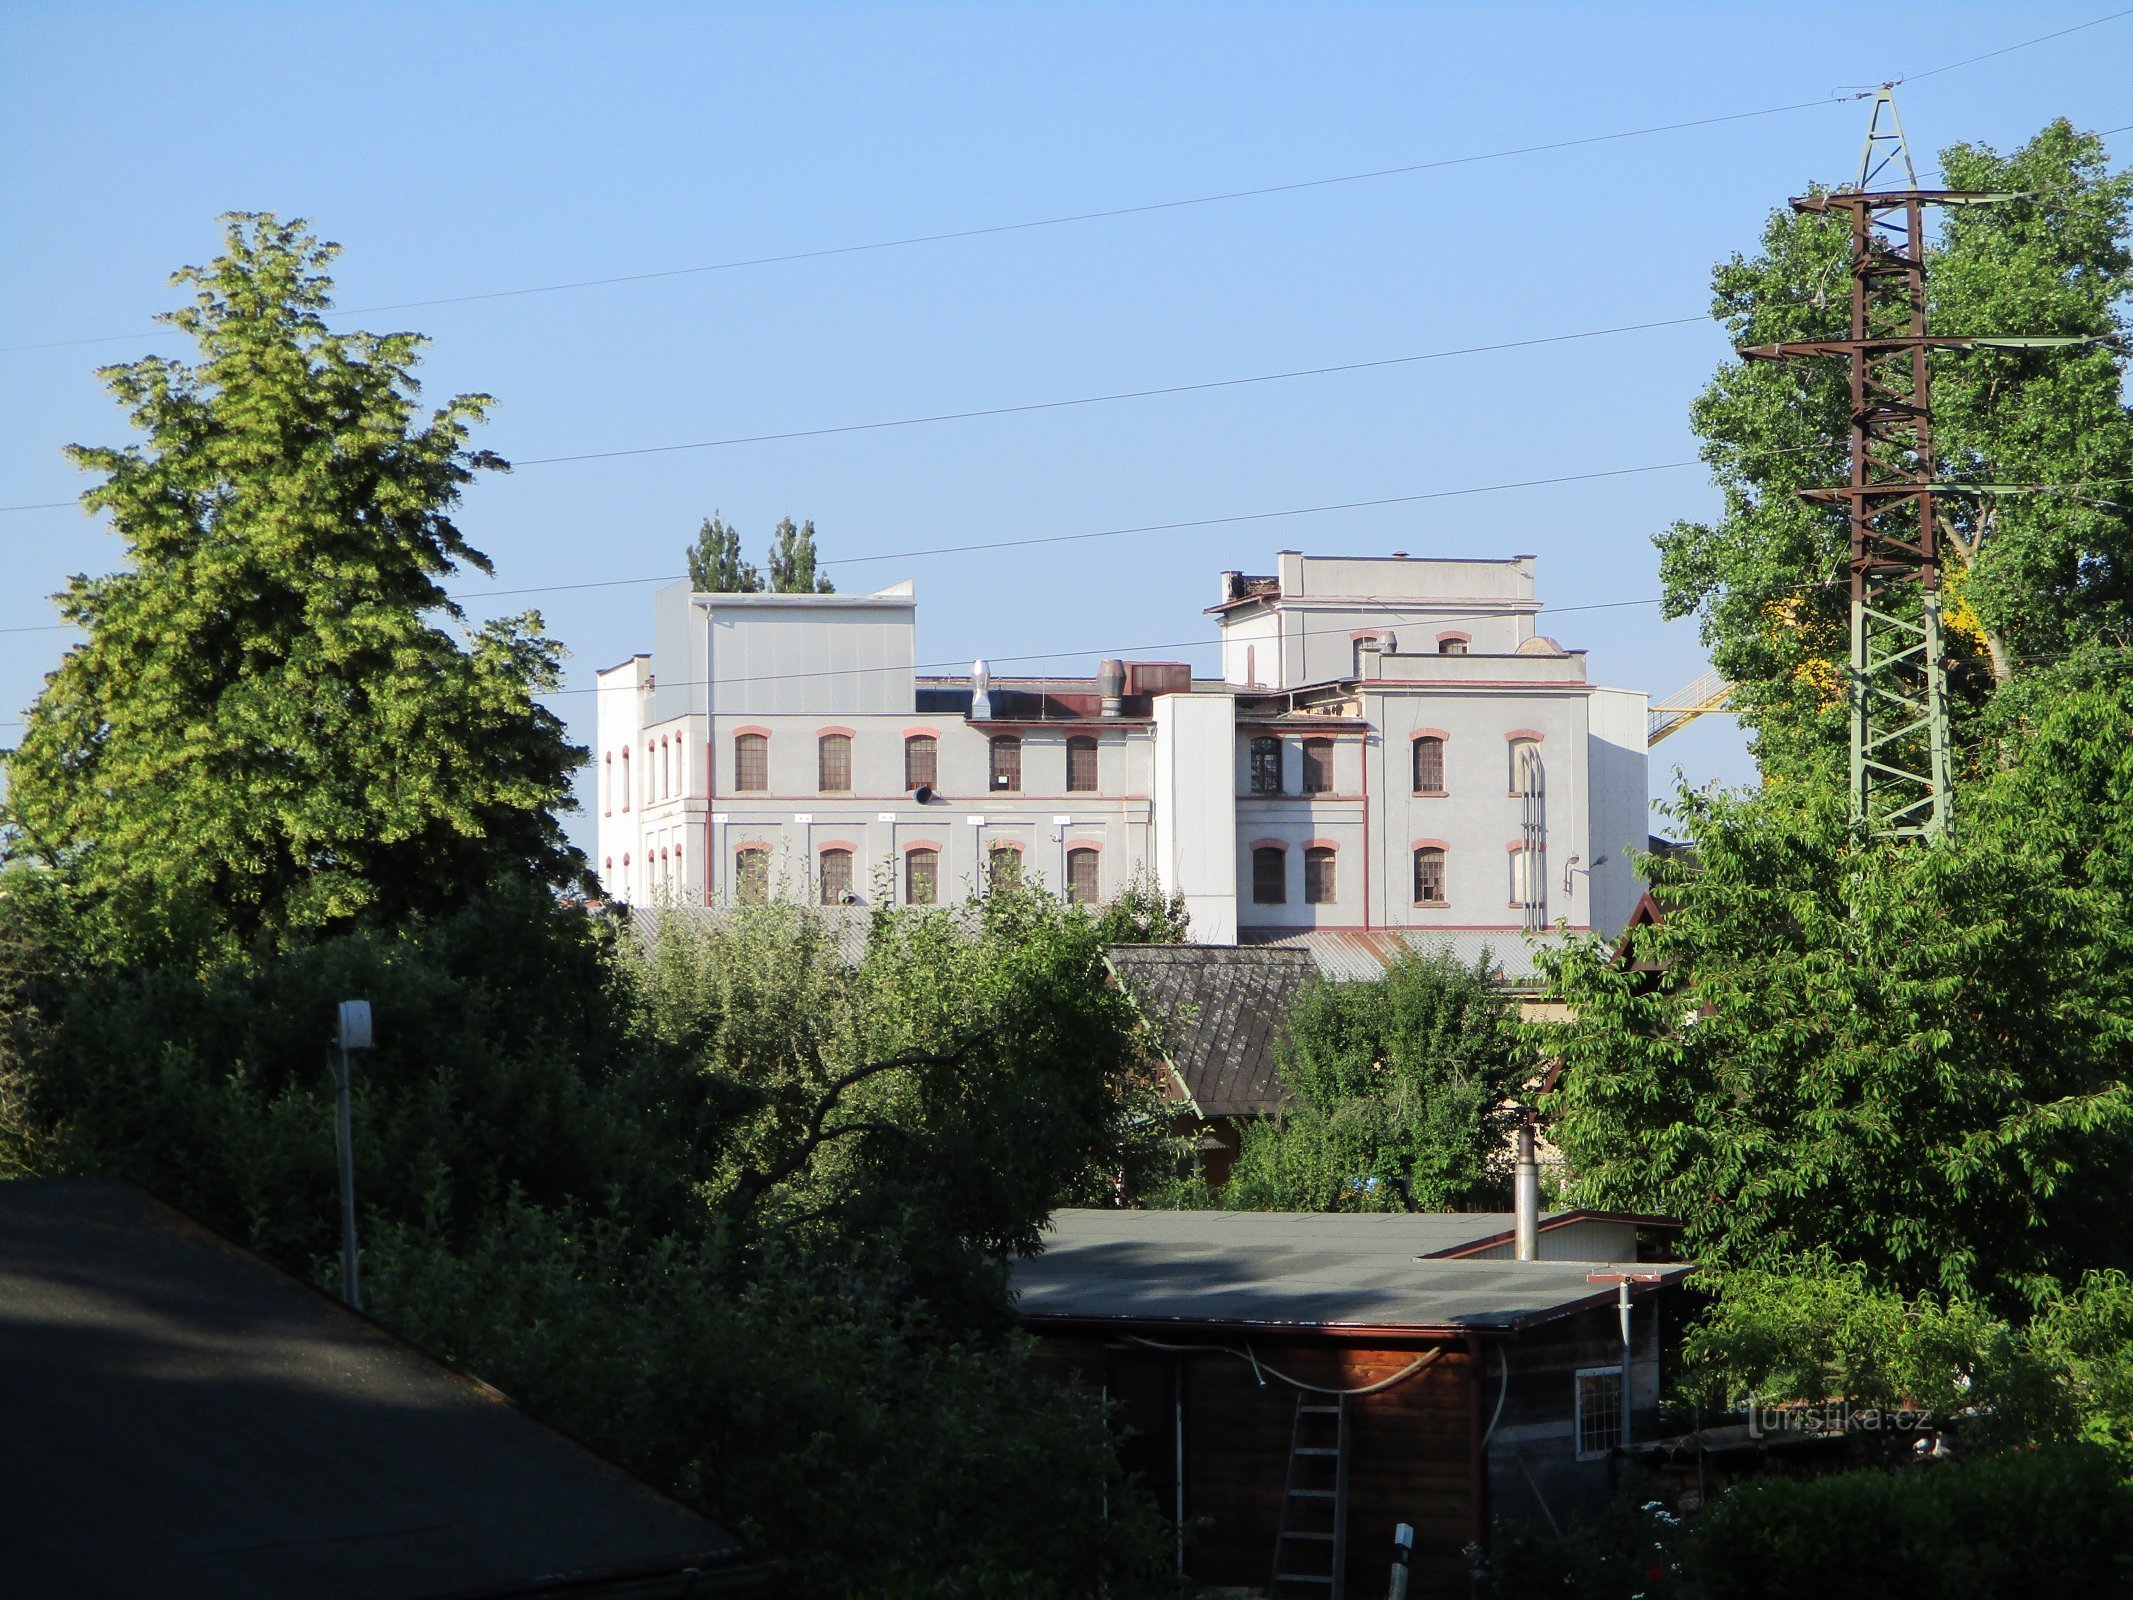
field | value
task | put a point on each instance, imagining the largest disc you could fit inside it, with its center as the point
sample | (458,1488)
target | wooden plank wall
(1409,1455)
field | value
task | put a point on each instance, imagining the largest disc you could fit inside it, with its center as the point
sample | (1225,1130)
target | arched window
(1081,764)
(1526,771)
(1003,865)
(1006,762)
(1270,875)
(751,875)
(1529,875)
(607,784)
(836,876)
(1319,885)
(1429,876)
(1451,644)
(751,763)
(1318,766)
(1429,764)
(1251,666)
(833,763)
(922,762)
(625,777)
(922,870)
(1082,876)
(1359,648)
(1266,765)
(674,767)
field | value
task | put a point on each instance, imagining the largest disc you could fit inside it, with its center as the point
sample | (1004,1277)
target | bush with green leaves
(1405,1089)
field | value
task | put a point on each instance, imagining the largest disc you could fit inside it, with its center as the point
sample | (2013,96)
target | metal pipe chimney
(1526,1199)
(1111,686)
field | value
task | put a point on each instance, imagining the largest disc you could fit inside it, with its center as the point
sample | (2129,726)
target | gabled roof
(1334,1273)
(1221,1010)
(186,1420)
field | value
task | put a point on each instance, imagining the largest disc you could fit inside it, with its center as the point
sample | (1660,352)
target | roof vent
(980,691)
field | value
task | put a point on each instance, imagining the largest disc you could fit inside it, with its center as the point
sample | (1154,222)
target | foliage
(2032,576)
(1404,1091)
(792,560)
(708,1194)
(2053,1521)
(1915,1059)
(715,564)
(264,733)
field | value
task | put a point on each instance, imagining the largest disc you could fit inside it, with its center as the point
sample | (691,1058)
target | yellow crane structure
(1672,713)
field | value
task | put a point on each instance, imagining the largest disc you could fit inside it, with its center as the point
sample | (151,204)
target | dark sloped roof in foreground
(1298,1271)
(1221,1009)
(185,1420)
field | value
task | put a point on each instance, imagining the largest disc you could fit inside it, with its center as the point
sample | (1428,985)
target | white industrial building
(1391,749)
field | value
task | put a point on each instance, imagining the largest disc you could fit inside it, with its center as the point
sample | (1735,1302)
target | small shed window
(922,870)
(1429,876)
(1081,764)
(922,762)
(1429,765)
(1006,762)
(1081,876)
(1599,1411)
(1266,765)
(751,762)
(833,763)
(1526,772)
(751,877)
(1270,876)
(1451,647)
(1318,875)
(836,876)
(1318,766)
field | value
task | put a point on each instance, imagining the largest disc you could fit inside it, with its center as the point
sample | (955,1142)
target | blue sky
(461,150)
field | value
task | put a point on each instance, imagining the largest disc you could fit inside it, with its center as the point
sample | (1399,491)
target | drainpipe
(1366,820)
(1526,1199)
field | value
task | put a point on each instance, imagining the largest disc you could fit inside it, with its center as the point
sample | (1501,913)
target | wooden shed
(1295,1386)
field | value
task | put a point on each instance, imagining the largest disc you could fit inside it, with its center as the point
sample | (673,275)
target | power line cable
(1112,212)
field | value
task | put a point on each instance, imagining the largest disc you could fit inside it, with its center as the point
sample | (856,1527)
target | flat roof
(187,1420)
(1381,1271)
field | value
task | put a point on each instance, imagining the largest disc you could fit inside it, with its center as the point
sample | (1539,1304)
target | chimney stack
(1111,686)
(1526,1201)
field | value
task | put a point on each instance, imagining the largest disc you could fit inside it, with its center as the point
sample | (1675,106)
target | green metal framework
(1897,684)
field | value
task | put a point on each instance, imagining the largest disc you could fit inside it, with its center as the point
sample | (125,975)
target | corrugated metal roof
(188,1421)
(1290,1270)
(1347,954)
(1222,1011)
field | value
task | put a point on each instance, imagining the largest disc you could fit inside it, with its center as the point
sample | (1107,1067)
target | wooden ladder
(1310,1557)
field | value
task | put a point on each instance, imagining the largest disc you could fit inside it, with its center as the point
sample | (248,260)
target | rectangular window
(1007,762)
(1318,766)
(1081,765)
(834,763)
(922,762)
(1005,864)
(921,877)
(1599,1411)
(1266,766)
(751,877)
(1429,876)
(1429,765)
(1318,876)
(751,763)
(1270,876)
(1081,877)
(836,876)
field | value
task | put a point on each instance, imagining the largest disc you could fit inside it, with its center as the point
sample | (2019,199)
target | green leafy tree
(792,560)
(2029,577)
(1914,1058)
(715,564)
(1405,1091)
(266,730)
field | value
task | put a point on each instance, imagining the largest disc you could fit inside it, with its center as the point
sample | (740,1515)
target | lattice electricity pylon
(1897,683)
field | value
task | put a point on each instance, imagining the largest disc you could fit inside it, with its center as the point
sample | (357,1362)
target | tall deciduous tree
(792,560)
(1916,1059)
(266,730)
(715,564)
(2029,575)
